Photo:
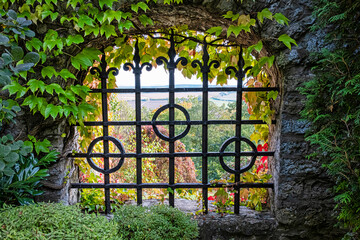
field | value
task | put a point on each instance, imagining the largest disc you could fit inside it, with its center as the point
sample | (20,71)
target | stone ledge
(249,224)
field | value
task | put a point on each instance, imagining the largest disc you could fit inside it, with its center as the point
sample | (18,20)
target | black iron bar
(166,185)
(205,115)
(171,67)
(176,154)
(210,89)
(196,122)
(239,92)
(104,76)
(137,72)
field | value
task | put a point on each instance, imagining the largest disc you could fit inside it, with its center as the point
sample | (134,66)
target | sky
(158,77)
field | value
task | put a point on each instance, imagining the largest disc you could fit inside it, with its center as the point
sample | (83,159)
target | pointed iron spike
(205,56)
(172,52)
(137,54)
(241,61)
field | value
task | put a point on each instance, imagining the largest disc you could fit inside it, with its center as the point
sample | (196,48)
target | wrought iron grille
(172,63)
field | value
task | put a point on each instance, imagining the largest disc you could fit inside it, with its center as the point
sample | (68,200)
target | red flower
(263,159)
(211,198)
(266,147)
(259,148)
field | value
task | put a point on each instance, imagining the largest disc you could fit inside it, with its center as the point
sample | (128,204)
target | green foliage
(20,171)
(24,184)
(13,61)
(53,221)
(10,153)
(333,107)
(154,223)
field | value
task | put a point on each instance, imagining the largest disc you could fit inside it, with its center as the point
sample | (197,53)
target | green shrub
(156,222)
(53,221)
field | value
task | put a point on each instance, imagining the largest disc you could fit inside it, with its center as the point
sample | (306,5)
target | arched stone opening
(301,202)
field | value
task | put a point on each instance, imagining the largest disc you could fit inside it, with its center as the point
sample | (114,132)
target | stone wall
(301,200)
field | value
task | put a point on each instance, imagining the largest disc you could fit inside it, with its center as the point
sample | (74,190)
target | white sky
(158,77)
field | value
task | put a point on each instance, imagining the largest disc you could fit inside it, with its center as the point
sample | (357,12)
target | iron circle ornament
(117,143)
(226,144)
(177,137)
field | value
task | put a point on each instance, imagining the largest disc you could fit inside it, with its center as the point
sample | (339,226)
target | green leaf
(35,85)
(143,6)
(65,74)
(108,29)
(15,87)
(85,20)
(8,172)
(11,13)
(109,3)
(3,39)
(281,19)
(17,53)
(265,13)
(272,95)
(23,67)
(54,86)
(42,146)
(31,57)
(2,165)
(4,150)
(230,14)
(48,71)
(287,40)
(53,111)
(145,20)
(234,29)
(216,30)
(74,39)
(12,157)
(258,46)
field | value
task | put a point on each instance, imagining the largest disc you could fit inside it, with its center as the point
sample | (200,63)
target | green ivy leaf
(265,13)
(108,29)
(65,74)
(53,111)
(85,20)
(109,3)
(74,39)
(34,43)
(15,87)
(234,29)
(42,146)
(145,20)
(287,40)
(48,71)
(35,85)
(272,95)
(216,30)
(281,19)
(230,14)
(54,86)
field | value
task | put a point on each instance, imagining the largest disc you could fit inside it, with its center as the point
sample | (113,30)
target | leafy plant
(21,171)
(333,107)
(54,221)
(154,223)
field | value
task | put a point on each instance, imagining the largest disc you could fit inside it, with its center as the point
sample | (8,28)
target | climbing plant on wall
(333,106)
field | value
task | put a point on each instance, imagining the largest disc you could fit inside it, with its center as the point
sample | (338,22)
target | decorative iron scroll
(171,64)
